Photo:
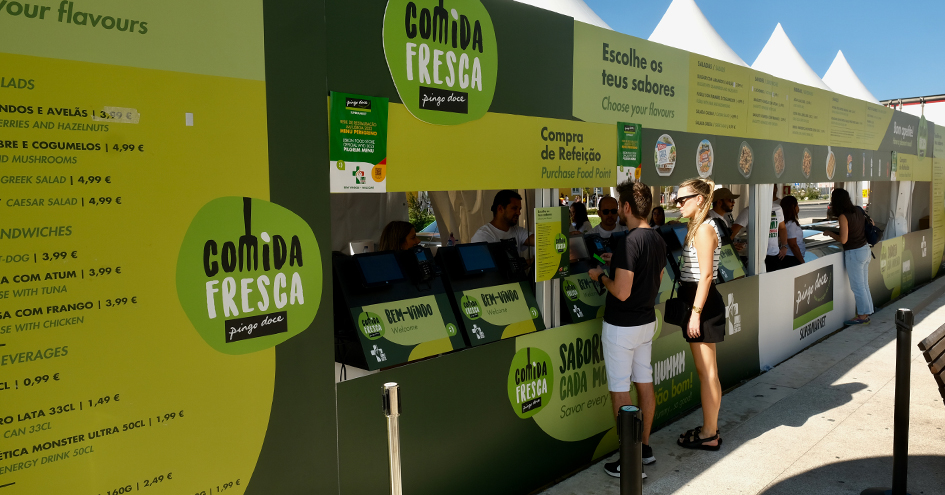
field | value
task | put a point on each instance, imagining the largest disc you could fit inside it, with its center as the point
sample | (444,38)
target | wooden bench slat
(939,378)
(935,351)
(941,390)
(938,365)
(928,342)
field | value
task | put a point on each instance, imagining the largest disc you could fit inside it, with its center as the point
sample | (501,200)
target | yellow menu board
(810,123)
(769,107)
(718,96)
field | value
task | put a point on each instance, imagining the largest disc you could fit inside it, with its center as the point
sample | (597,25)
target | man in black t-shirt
(629,315)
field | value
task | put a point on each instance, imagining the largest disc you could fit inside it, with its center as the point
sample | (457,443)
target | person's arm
(736,228)
(619,286)
(782,240)
(706,242)
(844,230)
(530,241)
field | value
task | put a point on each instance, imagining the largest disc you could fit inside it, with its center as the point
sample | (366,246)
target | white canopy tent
(685,27)
(572,8)
(781,59)
(841,79)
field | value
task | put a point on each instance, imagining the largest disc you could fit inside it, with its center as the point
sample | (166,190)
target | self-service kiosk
(391,308)
(489,288)
(583,299)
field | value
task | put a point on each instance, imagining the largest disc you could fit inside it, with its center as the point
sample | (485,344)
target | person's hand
(782,253)
(695,326)
(606,257)
(595,273)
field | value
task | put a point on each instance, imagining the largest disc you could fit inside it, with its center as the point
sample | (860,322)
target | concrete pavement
(819,423)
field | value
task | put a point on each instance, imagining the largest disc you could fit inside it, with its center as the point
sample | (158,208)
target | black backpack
(872,232)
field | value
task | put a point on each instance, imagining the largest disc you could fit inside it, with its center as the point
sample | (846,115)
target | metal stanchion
(904,322)
(630,430)
(391,404)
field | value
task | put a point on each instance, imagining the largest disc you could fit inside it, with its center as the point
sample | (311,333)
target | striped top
(689,269)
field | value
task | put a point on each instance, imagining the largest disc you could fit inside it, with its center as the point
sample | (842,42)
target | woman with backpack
(856,252)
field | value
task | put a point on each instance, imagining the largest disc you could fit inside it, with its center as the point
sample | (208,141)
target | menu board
(809,123)
(769,107)
(938,212)
(139,139)
(846,121)
(718,95)
(552,251)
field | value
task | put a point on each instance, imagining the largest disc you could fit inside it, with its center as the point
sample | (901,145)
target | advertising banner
(937,206)
(398,332)
(160,277)
(916,259)
(358,143)
(820,300)
(499,312)
(552,250)
(628,151)
(583,297)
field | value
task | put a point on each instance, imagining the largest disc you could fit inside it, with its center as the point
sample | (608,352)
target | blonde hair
(704,188)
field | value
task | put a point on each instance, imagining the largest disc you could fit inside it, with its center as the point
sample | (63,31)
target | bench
(933,348)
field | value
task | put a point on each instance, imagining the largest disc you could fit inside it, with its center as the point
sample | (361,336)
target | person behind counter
(706,325)
(506,208)
(777,233)
(856,252)
(398,236)
(795,235)
(629,315)
(579,221)
(608,213)
(657,217)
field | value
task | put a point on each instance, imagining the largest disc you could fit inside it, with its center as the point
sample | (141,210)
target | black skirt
(712,316)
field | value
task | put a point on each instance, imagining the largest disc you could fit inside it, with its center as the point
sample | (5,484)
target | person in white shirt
(777,234)
(579,221)
(723,201)
(506,209)
(607,211)
(795,235)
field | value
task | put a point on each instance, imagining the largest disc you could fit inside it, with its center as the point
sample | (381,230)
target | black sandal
(695,431)
(694,442)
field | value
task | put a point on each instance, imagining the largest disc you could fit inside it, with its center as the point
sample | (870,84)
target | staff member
(506,209)
(795,235)
(579,221)
(398,236)
(629,315)
(608,214)
(777,233)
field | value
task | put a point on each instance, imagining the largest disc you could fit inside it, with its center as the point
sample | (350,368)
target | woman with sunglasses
(706,323)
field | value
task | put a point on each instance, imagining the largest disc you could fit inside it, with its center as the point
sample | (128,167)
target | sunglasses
(681,201)
(608,212)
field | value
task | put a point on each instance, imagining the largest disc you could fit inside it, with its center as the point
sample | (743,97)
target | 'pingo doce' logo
(443,57)
(249,274)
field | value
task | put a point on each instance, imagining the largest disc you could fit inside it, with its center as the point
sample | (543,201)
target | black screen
(476,257)
(578,248)
(381,268)
(421,256)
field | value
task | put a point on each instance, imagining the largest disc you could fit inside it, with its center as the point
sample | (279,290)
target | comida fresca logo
(443,57)
(249,274)
(470,307)
(371,325)
(531,381)
(570,290)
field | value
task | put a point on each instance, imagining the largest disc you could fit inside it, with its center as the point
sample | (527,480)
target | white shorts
(627,352)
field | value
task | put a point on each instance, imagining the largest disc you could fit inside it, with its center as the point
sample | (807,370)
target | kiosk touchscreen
(583,299)
(490,289)
(391,308)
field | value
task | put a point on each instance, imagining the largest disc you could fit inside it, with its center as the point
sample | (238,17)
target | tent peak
(684,26)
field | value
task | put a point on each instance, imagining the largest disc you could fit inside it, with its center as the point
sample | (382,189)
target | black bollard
(904,322)
(630,428)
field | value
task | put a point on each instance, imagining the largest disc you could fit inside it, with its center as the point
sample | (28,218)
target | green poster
(582,298)
(498,312)
(397,332)
(357,140)
(552,253)
(938,209)
(629,139)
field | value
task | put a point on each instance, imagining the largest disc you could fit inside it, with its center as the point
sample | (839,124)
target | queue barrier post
(905,320)
(630,431)
(390,397)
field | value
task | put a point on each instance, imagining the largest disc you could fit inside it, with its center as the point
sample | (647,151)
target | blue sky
(883,40)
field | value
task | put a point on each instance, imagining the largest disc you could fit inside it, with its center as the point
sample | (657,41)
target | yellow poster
(130,118)
(552,251)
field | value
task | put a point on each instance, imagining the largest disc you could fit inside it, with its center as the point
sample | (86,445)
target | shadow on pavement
(926,477)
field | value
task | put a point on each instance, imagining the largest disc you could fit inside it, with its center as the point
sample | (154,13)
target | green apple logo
(470,307)
(443,58)
(531,381)
(371,325)
(249,274)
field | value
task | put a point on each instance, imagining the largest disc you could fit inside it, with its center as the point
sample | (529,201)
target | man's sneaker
(648,455)
(613,468)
